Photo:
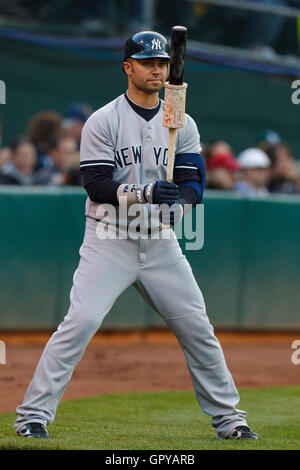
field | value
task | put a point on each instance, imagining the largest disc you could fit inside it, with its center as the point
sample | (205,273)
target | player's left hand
(170,215)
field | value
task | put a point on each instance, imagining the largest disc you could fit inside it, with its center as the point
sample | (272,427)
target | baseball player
(123,162)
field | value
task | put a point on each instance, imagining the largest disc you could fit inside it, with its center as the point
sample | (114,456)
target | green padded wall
(248,268)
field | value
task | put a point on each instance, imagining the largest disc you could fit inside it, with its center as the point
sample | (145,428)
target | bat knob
(179,28)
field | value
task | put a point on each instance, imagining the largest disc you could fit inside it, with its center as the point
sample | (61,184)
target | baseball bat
(175,93)
(178,47)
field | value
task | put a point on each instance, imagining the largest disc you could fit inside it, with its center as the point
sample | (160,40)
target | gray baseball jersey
(118,136)
(137,150)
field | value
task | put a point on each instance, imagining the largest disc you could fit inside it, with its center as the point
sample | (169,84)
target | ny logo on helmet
(156,44)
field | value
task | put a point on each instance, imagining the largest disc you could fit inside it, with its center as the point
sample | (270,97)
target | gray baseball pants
(163,276)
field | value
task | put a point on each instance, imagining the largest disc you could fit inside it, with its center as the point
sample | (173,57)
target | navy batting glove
(161,192)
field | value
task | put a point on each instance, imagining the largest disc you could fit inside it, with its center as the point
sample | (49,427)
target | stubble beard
(147,90)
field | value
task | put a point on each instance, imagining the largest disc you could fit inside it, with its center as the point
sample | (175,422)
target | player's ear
(127,67)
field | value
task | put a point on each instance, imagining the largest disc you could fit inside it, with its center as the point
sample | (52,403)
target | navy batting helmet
(146,45)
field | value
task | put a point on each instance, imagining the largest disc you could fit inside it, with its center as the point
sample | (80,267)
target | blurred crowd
(48,154)
(257,25)
(96,16)
(267,167)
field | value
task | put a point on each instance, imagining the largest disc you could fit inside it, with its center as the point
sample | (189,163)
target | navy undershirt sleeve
(99,184)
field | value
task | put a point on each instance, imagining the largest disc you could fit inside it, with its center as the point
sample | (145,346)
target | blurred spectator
(20,169)
(217,146)
(221,169)
(266,138)
(283,170)
(5,156)
(221,165)
(62,153)
(298,176)
(72,171)
(74,120)
(42,129)
(254,173)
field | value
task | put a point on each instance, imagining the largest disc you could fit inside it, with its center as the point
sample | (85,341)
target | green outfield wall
(248,268)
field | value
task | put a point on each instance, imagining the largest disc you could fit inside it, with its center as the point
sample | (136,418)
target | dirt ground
(146,361)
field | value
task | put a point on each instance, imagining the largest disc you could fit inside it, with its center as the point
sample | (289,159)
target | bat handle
(171,154)
(171,159)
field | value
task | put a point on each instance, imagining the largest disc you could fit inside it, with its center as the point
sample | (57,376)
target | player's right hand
(161,192)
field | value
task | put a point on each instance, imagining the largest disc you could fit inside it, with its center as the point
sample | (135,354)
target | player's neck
(143,99)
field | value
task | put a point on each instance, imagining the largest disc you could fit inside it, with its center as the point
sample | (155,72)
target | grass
(162,420)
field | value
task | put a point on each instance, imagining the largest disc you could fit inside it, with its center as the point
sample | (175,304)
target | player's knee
(91,323)
(82,323)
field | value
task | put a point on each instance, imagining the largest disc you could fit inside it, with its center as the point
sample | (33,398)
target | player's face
(147,75)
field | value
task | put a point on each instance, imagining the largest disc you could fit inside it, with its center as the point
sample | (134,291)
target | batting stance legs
(181,304)
(163,276)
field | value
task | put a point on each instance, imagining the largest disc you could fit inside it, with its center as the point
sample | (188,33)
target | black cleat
(33,430)
(242,432)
